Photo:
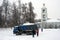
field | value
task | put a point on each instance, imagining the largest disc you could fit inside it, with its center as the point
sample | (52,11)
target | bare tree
(31,13)
(28,13)
(0,15)
(24,11)
(15,14)
(5,10)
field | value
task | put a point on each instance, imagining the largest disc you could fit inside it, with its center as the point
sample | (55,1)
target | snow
(53,20)
(28,24)
(15,26)
(47,34)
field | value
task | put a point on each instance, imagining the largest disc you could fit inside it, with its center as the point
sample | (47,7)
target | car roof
(28,23)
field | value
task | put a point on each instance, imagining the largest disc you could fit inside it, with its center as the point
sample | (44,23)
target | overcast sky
(53,7)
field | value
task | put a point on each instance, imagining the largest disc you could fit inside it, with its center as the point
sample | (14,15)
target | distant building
(52,23)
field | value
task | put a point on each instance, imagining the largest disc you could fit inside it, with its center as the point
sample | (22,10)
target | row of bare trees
(12,14)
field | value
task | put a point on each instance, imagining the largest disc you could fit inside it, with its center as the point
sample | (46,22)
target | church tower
(43,16)
(44,13)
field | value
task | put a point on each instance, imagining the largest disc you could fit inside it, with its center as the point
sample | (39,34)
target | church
(47,23)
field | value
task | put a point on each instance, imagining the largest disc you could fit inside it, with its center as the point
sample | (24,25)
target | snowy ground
(47,34)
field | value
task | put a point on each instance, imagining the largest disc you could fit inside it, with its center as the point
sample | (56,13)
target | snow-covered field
(47,34)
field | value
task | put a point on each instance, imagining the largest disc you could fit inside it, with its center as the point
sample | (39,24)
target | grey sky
(53,7)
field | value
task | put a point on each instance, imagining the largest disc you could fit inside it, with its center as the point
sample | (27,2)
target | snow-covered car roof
(28,24)
(15,26)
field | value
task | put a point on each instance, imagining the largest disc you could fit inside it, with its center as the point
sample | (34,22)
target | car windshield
(28,27)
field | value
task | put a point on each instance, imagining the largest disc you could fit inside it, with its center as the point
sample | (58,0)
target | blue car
(25,29)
